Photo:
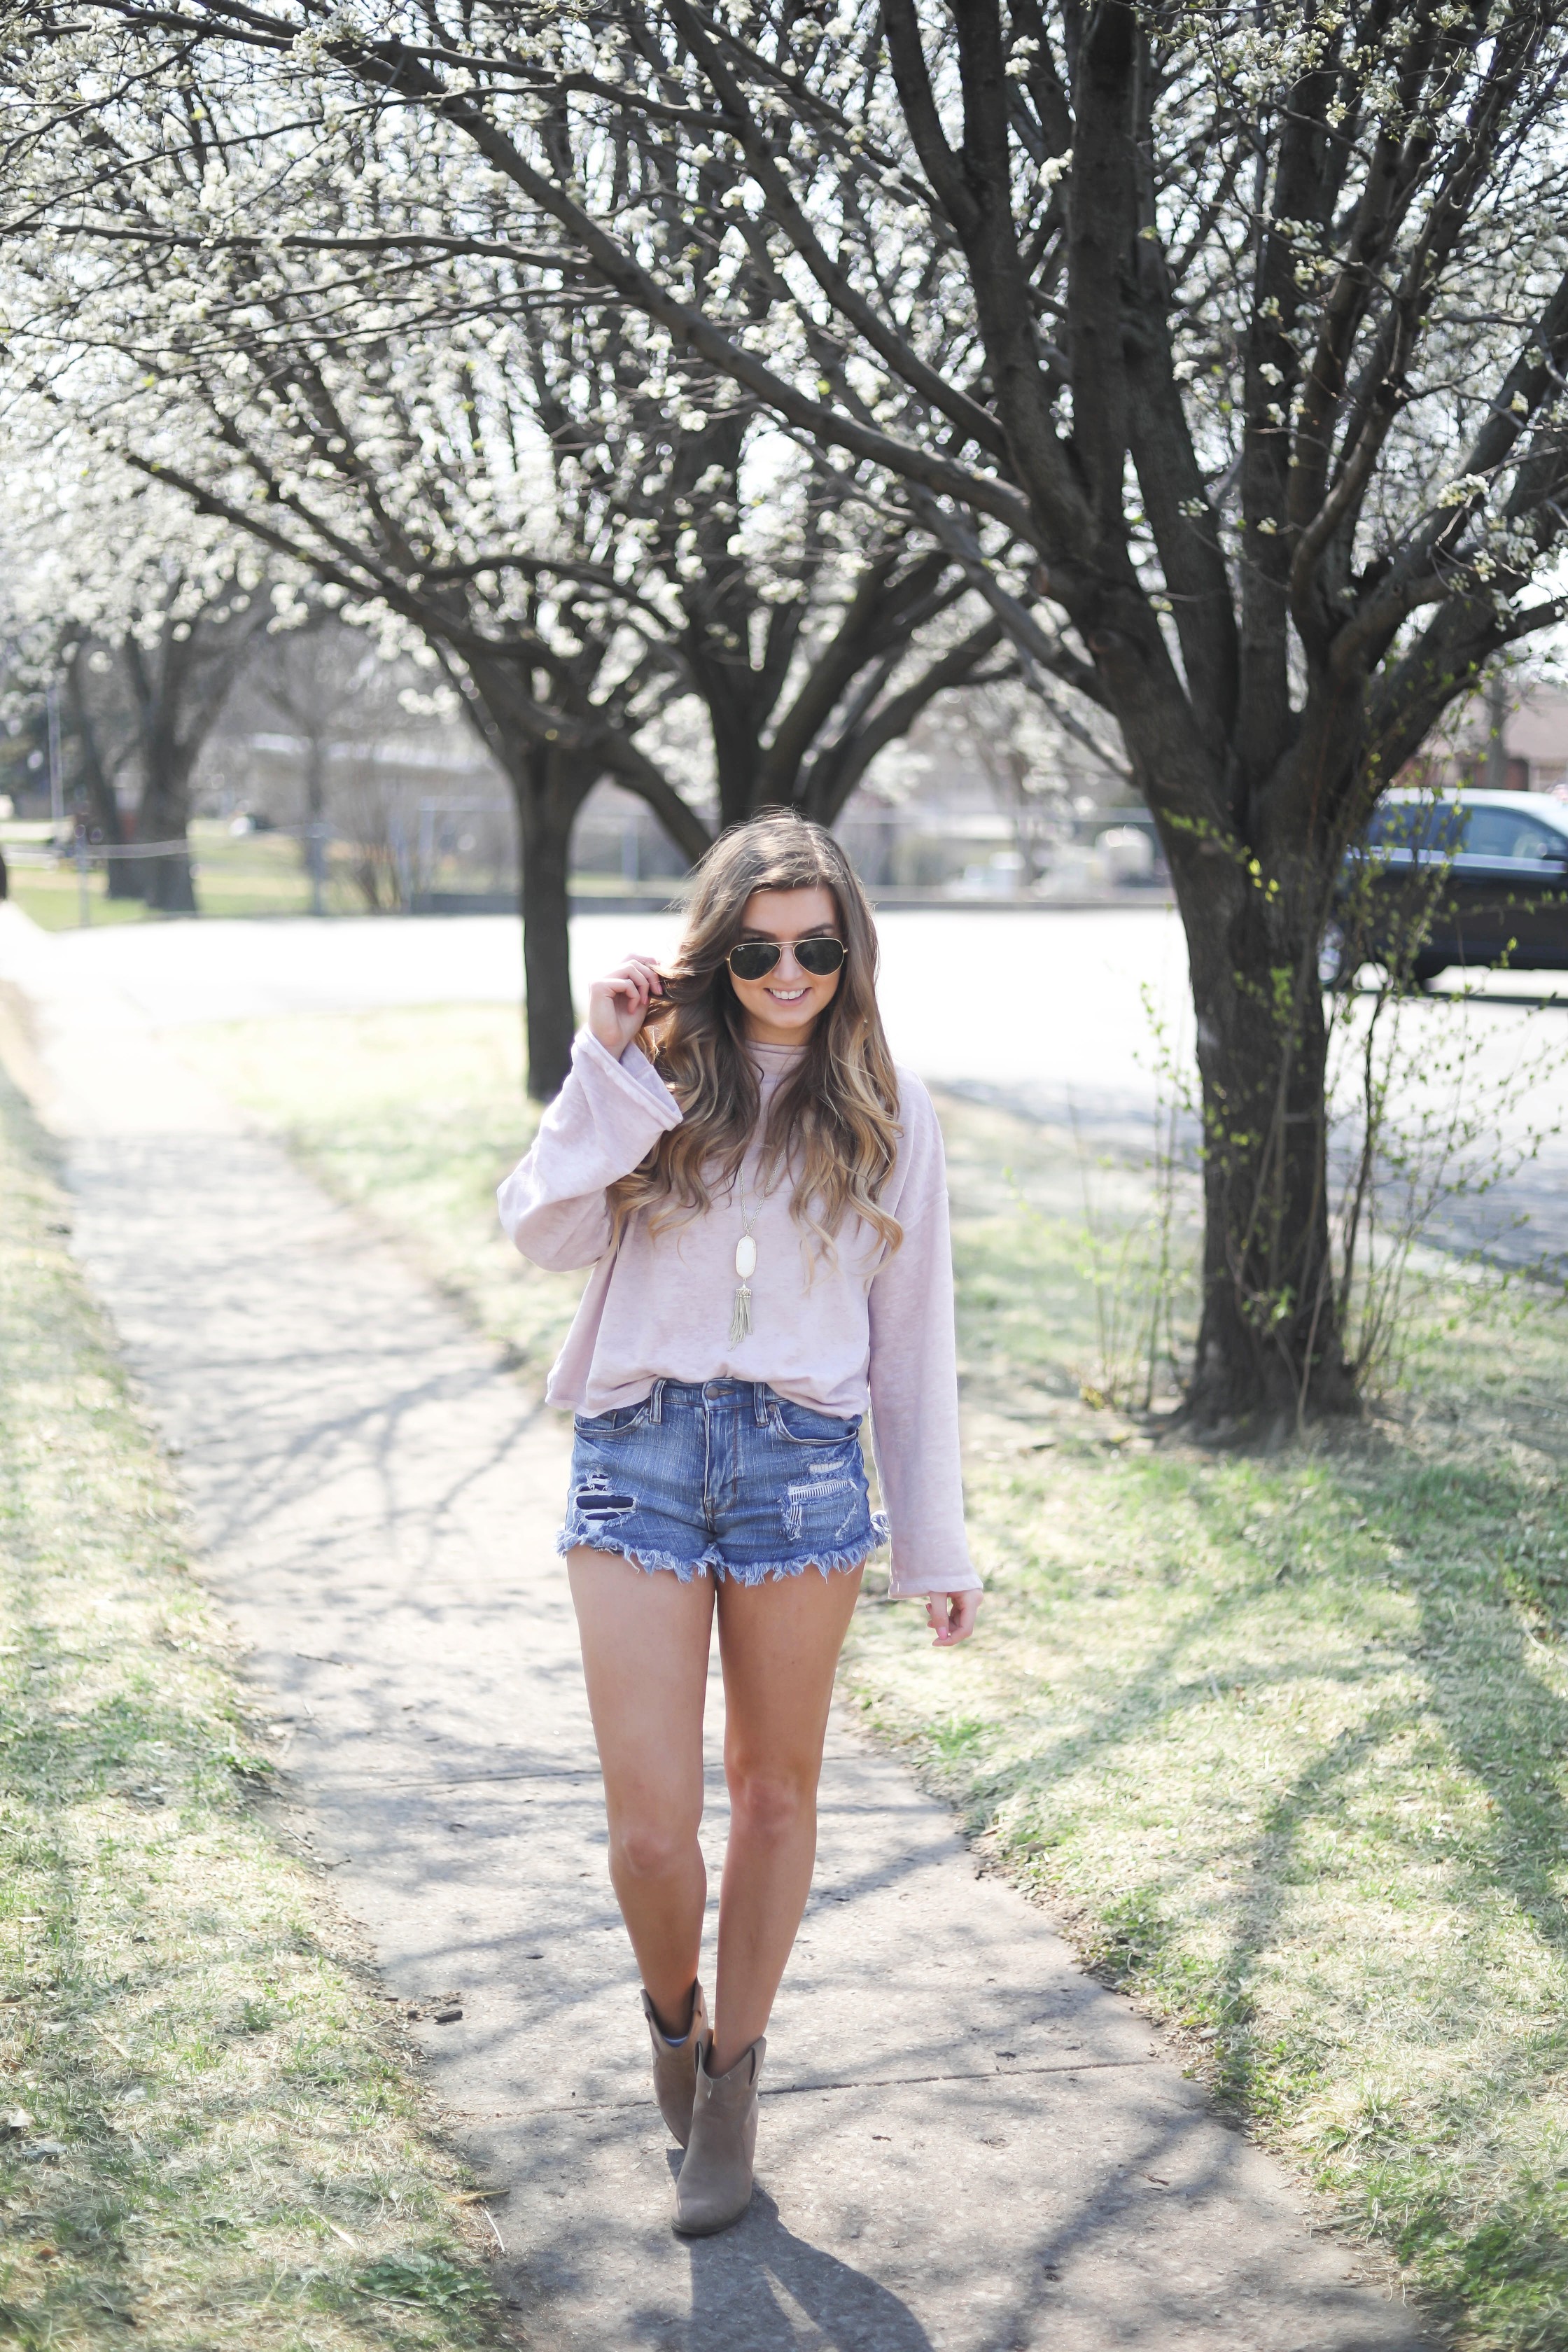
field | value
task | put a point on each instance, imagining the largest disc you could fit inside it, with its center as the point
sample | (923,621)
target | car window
(1500,833)
(1399,825)
(1448,828)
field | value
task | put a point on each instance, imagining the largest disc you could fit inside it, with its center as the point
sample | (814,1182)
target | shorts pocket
(614,1423)
(802,1426)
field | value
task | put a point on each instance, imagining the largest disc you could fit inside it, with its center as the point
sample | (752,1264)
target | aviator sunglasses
(754,959)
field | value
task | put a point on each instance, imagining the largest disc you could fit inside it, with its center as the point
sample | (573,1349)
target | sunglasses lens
(754,959)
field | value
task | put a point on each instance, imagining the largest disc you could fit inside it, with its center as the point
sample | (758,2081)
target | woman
(763,1200)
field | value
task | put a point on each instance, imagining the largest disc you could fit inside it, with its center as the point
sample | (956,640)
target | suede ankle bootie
(715,2184)
(675,2066)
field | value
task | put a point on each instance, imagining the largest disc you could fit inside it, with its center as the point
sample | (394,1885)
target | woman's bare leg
(644,1655)
(779,1644)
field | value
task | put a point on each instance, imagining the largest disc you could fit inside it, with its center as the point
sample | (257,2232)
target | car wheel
(1337,963)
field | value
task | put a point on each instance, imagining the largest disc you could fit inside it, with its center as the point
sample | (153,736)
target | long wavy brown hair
(833,1125)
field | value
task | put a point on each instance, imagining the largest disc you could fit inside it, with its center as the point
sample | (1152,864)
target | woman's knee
(650,1848)
(771,1802)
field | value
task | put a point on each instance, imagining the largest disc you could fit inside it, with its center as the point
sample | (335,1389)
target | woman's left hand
(950,1616)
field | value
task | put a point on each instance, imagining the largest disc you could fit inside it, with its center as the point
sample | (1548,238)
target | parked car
(1470,879)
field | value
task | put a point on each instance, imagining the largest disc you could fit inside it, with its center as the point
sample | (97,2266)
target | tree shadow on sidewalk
(759,2288)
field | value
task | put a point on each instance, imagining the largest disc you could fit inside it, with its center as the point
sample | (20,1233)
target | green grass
(52,896)
(1283,1742)
(414,1118)
(211,2132)
(248,874)
(262,874)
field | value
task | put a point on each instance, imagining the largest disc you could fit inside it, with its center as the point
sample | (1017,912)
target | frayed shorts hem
(712,1562)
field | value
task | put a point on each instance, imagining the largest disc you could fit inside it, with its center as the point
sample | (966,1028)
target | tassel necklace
(745,1267)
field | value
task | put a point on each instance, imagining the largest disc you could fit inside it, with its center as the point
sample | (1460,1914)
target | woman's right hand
(618,1004)
(950,1616)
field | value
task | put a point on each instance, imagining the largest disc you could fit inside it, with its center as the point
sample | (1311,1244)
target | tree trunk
(1495,776)
(122,880)
(315,819)
(1269,1350)
(550,786)
(163,815)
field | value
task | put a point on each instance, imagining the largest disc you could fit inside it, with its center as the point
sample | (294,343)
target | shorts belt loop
(760,1402)
(656,1401)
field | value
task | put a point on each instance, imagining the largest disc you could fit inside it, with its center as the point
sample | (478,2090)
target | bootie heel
(675,2066)
(715,2184)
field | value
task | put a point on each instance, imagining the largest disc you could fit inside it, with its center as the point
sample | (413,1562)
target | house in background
(1535,742)
(1512,738)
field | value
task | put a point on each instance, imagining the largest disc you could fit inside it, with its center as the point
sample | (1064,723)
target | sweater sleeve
(606,1118)
(915,1373)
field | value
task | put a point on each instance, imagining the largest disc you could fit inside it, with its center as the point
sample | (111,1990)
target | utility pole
(57,765)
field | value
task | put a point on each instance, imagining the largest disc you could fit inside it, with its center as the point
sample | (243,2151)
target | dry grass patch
(209,2129)
(1284,1741)
(414,1118)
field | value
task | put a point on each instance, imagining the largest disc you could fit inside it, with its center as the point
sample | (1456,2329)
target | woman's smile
(784,1008)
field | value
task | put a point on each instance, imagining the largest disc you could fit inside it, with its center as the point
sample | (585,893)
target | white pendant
(745,1258)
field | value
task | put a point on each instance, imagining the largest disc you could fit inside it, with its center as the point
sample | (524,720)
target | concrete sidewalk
(966,2145)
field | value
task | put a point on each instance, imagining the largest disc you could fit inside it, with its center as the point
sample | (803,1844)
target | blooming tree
(482,458)
(147,618)
(1037,754)
(1237,333)
(329,687)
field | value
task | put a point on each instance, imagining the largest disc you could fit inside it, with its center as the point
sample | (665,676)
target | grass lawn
(248,874)
(210,2128)
(52,896)
(1284,1742)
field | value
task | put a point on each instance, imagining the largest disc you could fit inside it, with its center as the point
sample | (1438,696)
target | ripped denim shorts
(721,1477)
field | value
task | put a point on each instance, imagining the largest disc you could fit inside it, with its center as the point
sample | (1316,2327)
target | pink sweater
(866,1326)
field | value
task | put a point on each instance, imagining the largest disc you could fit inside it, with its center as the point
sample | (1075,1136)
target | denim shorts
(725,1479)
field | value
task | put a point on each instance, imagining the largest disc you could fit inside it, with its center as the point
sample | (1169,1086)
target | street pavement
(1049,998)
(1063,1014)
(966,2145)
